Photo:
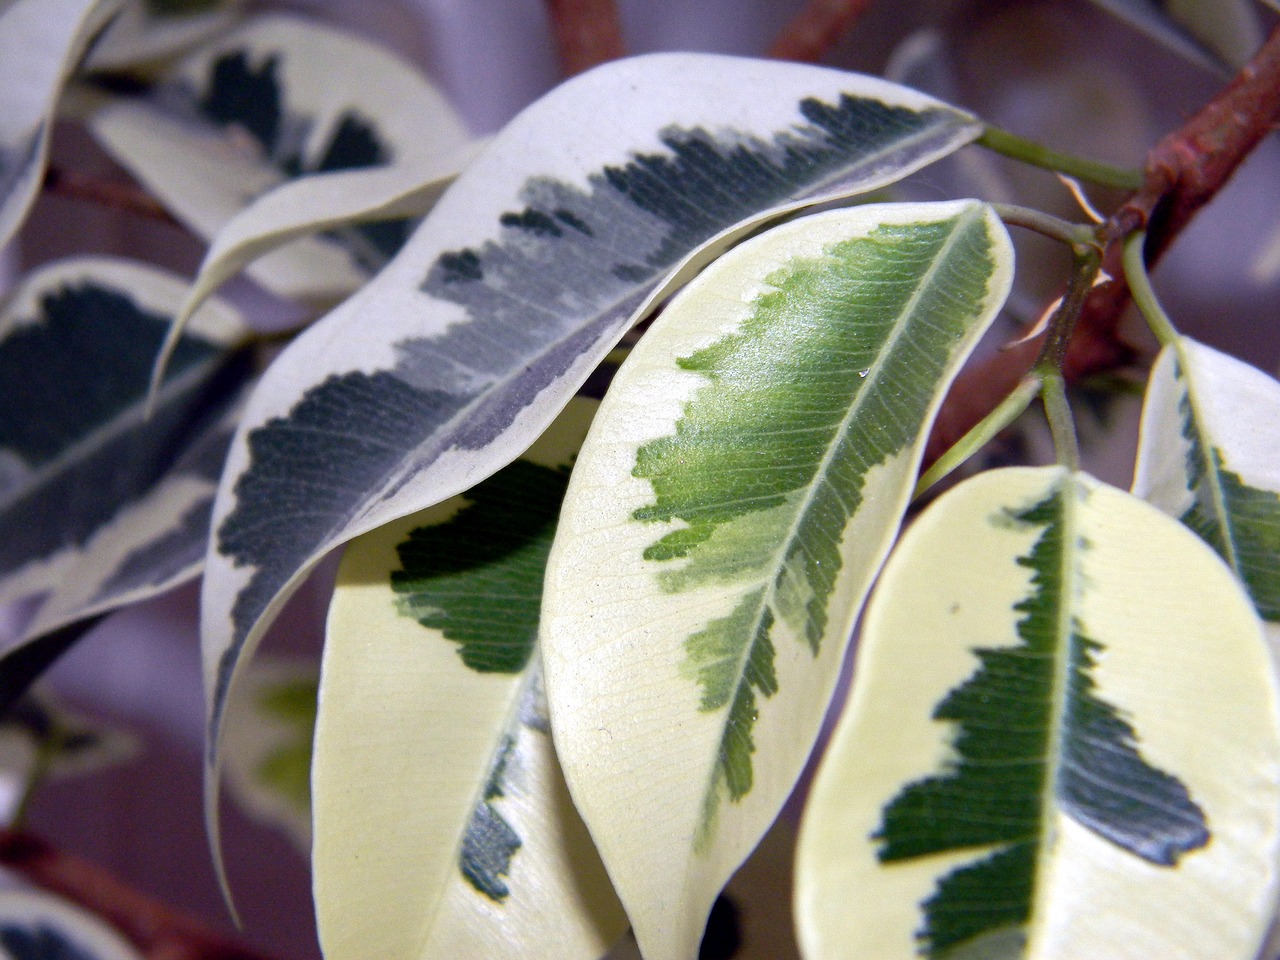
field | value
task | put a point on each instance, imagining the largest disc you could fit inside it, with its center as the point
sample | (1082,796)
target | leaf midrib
(643,296)
(1070,583)
(1217,495)
(768,588)
(356,520)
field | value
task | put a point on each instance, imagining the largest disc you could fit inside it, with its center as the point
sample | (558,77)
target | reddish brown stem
(1183,172)
(117,196)
(817,28)
(158,931)
(587,33)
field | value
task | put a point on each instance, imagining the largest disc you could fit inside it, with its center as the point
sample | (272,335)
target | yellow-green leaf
(1207,455)
(747,471)
(1062,739)
(443,827)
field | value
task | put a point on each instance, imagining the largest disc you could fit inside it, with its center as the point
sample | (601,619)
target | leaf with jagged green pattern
(744,479)
(278,100)
(101,505)
(1207,455)
(549,246)
(443,827)
(1063,735)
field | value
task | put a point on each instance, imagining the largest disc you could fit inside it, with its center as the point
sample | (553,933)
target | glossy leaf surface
(1207,455)
(1062,741)
(523,277)
(280,99)
(743,481)
(100,506)
(40,43)
(443,827)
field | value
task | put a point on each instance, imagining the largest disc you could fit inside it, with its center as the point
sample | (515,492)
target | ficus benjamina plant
(619,426)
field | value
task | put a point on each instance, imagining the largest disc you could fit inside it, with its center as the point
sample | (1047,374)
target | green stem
(1048,366)
(1028,151)
(47,751)
(1062,426)
(1135,272)
(1010,409)
(1088,261)
(1055,228)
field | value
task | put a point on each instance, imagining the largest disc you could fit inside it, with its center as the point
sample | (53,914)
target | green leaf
(1210,429)
(40,44)
(741,486)
(528,271)
(273,102)
(477,577)
(99,505)
(443,827)
(1063,734)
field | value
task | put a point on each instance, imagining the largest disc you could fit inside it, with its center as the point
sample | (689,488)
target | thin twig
(158,931)
(106,193)
(1183,172)
(817,28)
(587,33)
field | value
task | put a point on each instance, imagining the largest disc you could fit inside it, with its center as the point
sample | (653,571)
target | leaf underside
(100,505)
(247,95)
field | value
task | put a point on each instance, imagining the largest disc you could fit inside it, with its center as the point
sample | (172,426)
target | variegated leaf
(268,744)
(442,824)
(1218,34)
(520,281)
(100,506)
(741,486)
(1063,741)
(40,43)
(147,31)
(276,100)
(308,205)
(1207,455)
(35,925)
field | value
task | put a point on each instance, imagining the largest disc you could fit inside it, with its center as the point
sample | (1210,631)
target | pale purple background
(493,57)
